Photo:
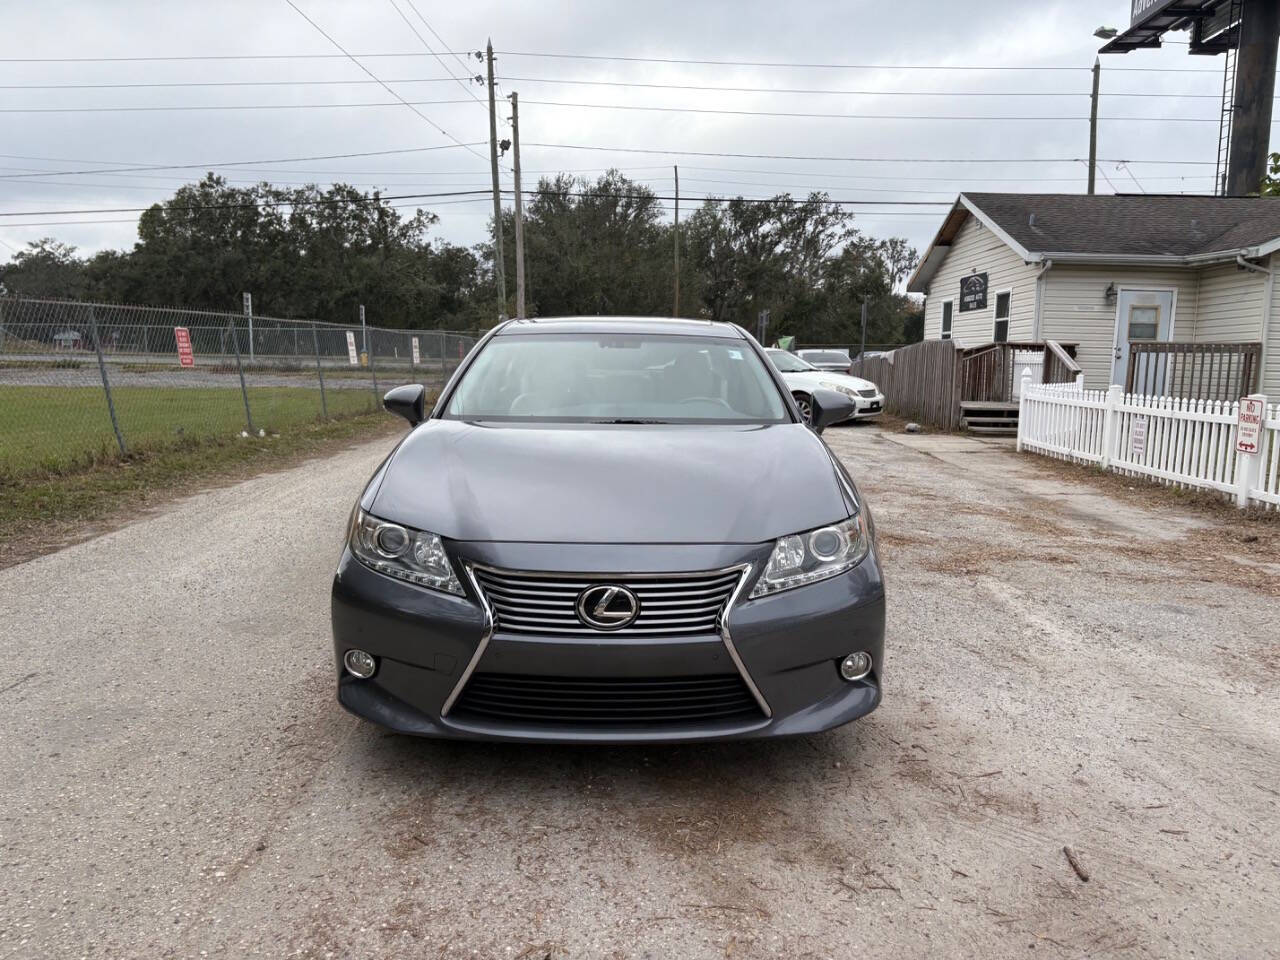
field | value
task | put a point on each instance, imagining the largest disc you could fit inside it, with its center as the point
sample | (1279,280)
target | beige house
(1104,271)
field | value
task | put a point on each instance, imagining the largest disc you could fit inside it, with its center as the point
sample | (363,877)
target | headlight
(815,555)
(838,388)
(412,555)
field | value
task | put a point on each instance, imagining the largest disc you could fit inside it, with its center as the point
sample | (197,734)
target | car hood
(812,378)
(615,483)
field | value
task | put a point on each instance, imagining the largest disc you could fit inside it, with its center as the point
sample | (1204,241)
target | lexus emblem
(607,606)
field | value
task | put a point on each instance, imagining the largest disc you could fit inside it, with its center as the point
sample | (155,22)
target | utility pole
(515,149)
(1093,127)
(499,270)
(675,308)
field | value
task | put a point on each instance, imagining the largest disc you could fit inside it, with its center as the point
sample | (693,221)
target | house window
(1001,332)
(1144,323)
(946,320)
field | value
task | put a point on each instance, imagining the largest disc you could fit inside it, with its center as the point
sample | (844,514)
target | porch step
(990,417)
(1002,405)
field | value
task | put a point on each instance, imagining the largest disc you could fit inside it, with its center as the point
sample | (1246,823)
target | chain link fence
(83,382)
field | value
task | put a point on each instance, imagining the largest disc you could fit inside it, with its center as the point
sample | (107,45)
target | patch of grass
(59,430)
(47,510)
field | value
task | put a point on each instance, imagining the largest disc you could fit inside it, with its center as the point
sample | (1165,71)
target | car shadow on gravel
(683,800)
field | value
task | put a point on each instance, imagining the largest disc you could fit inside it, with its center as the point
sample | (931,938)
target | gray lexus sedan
(610,530)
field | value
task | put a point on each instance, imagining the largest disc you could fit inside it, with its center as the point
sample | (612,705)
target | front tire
(806,407)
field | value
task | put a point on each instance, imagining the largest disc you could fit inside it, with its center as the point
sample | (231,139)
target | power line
(463,63)
(412,104)
(984,118)
(390,206)
(860,116)
(408,23)
(604,83)
(117,168)
(783,156)
(217,83)
(840,66)
(876,93)
(259,204)
(576,56)
(384,86)
(327,201)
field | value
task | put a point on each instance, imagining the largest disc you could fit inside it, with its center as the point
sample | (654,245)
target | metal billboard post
(106,384)
(248,312)
(315,340)
(244,391)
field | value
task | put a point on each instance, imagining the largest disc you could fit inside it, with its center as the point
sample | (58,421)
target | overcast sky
(916,33)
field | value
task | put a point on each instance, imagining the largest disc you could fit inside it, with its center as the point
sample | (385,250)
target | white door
(1140,315)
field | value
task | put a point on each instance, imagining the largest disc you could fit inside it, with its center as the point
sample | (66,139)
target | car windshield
(617,378)
(788,362)
(827,356)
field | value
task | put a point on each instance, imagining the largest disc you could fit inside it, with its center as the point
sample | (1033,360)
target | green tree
(592,248)
(46,268)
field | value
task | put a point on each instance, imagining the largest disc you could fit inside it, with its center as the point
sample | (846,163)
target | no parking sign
(1249,425)
(186,357)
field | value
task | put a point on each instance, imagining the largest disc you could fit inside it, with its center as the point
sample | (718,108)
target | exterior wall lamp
(1109,295)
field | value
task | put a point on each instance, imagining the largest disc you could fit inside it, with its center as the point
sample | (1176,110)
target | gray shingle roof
(1129,225)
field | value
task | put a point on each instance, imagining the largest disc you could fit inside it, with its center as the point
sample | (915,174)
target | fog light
(853,667)
(360,664)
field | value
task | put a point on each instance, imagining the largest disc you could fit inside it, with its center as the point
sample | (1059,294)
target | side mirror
(829,407)
(409,401)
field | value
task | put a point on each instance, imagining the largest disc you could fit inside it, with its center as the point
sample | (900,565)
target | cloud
(941,34)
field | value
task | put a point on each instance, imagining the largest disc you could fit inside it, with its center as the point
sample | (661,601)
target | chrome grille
(867,393)
(544,604)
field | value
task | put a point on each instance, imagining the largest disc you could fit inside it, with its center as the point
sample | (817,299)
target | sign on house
(1249,425)
(186,357)
(351,348)
(973,292)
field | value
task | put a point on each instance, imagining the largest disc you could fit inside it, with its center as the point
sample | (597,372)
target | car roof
(671,326)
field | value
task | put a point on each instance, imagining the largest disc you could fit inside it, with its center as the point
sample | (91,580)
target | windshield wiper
(628,420)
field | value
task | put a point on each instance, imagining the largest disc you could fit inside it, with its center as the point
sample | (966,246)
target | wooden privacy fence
(929,381)
(919,382)
(1199,371)
(1175,441)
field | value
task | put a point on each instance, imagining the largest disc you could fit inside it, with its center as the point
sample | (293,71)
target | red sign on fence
(1249,425)
(185,356)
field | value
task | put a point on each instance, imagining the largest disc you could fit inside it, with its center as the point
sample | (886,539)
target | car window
(826,356)
(788,362)
(583,377)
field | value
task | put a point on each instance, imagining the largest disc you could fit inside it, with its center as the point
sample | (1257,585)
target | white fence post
(1022,405)
(1249,465)
(1109,418)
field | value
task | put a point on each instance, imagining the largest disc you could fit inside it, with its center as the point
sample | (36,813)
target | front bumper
(868,407)
(789,645)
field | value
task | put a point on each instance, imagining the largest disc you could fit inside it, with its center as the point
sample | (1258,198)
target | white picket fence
(1187,443)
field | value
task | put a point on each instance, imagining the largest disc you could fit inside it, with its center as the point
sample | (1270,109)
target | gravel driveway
(1064,668)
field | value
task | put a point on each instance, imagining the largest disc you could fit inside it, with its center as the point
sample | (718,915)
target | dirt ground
(1068,664)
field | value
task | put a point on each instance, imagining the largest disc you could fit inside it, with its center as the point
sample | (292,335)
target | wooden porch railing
(1060,363)
(987,373)
(1195,371)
